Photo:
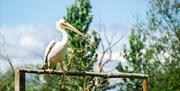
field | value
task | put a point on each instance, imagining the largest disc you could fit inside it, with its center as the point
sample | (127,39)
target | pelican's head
(62,24)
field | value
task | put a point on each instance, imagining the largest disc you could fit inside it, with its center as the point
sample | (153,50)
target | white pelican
(55,51)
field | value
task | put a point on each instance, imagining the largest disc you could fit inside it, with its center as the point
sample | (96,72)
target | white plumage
(55,51)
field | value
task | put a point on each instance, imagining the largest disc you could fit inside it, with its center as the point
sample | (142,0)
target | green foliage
(136,61)
(159,37)
(7,81)
(164,18)
(83,53)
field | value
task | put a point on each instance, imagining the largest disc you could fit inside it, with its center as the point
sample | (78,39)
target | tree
(7,81)
(159,38)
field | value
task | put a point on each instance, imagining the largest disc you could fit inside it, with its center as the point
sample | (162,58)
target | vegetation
(7,81)
(154,48)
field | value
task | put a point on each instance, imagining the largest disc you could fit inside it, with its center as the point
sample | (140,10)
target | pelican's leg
(54,68)
(49,70)
(63,70)
(48,64)
(44,69)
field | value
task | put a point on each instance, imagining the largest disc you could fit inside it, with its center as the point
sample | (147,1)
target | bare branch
(112,45)
(105,51)
(9,60)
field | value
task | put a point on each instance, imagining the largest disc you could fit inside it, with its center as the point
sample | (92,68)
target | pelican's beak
(70,27)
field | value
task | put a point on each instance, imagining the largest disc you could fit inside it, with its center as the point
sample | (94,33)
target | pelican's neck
(64,36)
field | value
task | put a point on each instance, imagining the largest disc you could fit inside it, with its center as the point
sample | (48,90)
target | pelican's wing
(48,50)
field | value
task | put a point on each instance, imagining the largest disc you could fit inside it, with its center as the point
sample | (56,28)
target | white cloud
(30,42)
(22,42)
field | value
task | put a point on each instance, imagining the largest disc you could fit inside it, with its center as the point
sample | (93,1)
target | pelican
(55,51)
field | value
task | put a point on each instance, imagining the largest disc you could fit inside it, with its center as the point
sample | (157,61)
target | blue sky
(25,25)
(46,12)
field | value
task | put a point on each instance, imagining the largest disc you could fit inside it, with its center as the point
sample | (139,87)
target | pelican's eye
(61,26)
